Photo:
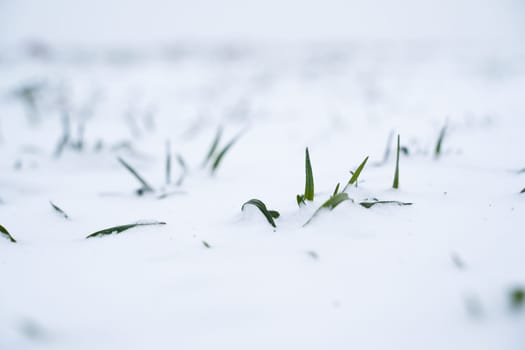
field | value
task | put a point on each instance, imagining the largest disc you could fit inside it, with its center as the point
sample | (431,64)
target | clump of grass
(517,298)
(309,182)
(355,174)
(437,149)
(213,147)
(396,174)
(374,201)
(270,215)
(59,210)
(331,203)
(215,156)
(121,228)
(146,187)
(222,153)
(6,233)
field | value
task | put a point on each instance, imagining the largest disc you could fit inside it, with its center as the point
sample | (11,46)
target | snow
(434,275)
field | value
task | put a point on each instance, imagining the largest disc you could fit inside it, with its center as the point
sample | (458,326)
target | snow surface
(434,275)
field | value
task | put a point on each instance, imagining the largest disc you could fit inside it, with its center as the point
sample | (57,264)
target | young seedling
(396,175)
(268,214)
(369,204)
(309,182)
(121,228)
(221,154)
(331,203)
(59,210)
(355,174)
(6,233)
(437,150)
(145,186)
(213,147)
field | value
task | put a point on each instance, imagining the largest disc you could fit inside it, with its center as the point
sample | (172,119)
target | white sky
(157,21)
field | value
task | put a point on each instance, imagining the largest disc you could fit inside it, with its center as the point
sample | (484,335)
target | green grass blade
(145,186)
(184,167)
(331,204)
(309,185)
(396,175)
(356,173)
(300,200)
(121,228)
(369,204)
(213,147)
(268,214)
(221,154)
(6,233)
(168,163)
(59,210)
(523,190)
(437,150)
(336,189)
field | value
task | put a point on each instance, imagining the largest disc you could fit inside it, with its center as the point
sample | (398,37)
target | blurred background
(146,22)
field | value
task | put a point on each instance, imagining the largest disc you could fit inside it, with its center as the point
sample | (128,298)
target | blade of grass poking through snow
(121,228)
(309,185)
(523,190)
(370,204)
(336,189)
(331,203)
(437,150)
(168,163)
(222,153)
(182,164)
(309,181)
(145,186)
(355,174)
(213,147)
(396,174)
(268,214)
(6,233)
(59,210)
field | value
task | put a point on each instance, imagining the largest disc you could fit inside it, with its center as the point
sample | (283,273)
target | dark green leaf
(213,147)
(59,210)
(300,200)
(309,185)
(356,173)
(437,150)
(396,175)
(145,186)
(221,154)
(121,228)
(336,189)
(372,203)
(6,233)
(268,214)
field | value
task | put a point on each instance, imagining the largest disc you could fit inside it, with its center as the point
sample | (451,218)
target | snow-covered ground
(437,274)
